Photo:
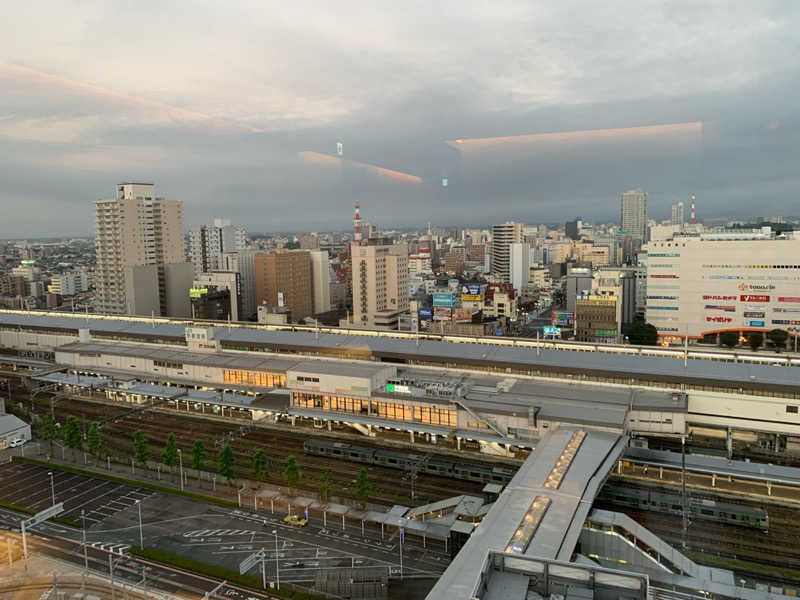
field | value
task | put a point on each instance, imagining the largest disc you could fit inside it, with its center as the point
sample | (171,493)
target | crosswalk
(217,532)
(113,548)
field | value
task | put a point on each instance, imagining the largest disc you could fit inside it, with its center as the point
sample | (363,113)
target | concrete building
(13,428)
(519,265)
(572,229)
(70,283)
(420,262)
(641,281)
(208,286)
(283,279)
(596,318)
(242,262)
(737,280)
(454,262)
(208,242)
(633,214)
(503,235)
(320,281)
(380,284)
(137,234)
(619,282)
(579,283)
(588,252)
(676,215)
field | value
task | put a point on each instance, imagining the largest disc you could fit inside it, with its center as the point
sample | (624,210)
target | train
(401,460)
(697,508)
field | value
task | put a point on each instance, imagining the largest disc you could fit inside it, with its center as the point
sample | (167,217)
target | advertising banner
(753,298)
(788,298)
(755,323)
(444,299)
(719,319)
(725,307)
(197,292)
(754,315)
(714,297)
(563,319)
(462,315)
(425,312)
(442,313)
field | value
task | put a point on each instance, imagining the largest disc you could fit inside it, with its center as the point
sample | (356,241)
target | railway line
(245,440)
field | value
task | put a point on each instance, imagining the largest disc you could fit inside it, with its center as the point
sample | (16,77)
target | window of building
(791,409)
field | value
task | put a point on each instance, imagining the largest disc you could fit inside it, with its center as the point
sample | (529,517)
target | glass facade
(260,378)
(433,415)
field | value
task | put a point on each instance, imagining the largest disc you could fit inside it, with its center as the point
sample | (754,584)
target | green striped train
(401,460)
(698,508)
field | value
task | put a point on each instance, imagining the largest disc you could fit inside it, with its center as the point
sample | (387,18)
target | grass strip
(737,564)
(29,511)
(132,482)
(195,566)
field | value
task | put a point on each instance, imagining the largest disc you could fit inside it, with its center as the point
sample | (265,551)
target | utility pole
(683,492)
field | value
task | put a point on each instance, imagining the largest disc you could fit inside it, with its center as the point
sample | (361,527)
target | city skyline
(553,122)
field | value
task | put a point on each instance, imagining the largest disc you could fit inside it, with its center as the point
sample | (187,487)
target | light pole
(85,550)
(277,564)
(180,462)
(52,487)
(141,537)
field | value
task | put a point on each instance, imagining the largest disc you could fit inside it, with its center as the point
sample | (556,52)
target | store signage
(753,315)
(719,319)
(197,292)
(425,312)
(784,322)
(753,298)
(725,307)
(444,298)
(754,286)
(786,310)
(788,298)
(755,323)
(714,297)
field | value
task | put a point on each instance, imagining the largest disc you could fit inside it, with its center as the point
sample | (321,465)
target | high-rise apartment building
(283,279)
(519,265)
(676,216)
(208,242)
(380,284)
(633,214)
(137,236)
(503,235)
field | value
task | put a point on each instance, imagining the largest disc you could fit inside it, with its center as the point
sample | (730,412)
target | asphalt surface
(199,530)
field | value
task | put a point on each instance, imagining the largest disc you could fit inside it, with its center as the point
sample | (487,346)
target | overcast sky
(236,108)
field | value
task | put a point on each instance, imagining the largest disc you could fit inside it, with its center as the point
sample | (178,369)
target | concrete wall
(178,279)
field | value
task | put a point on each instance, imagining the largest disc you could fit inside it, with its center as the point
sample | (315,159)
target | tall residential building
(380,284)
(208,242)
(503,236)
(320,281)
(633,214)
(519,266)
(137,235)
(676,217)
(283,279)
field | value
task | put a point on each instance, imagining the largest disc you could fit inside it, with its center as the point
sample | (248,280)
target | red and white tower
(356,224)
(691,211)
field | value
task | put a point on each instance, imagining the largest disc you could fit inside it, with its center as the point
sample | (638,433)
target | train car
(436,466)
(339,450)
(698,508)
(469,472)
(395,460)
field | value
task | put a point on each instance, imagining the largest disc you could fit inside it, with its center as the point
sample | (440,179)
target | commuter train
(401,460)
(698,508)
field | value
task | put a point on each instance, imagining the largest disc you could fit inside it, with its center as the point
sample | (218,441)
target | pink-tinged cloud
(327,160)
(663,131)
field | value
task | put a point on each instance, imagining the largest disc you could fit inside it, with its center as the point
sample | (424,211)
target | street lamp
(141,537)
(52,487)
(277,564)
(180,461)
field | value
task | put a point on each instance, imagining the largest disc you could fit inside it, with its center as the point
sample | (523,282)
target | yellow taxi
(295,520)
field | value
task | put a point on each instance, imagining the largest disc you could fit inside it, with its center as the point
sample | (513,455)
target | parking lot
(29,485)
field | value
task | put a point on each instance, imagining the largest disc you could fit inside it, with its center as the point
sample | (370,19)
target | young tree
(225,463)
(363,488)
(259,465)
(643,334)
(729,338)
(49,429)
(170,455)
(198,455)
(291,473)
(324,485)
(140,451)
(93,438)
(755,339)
(72,433)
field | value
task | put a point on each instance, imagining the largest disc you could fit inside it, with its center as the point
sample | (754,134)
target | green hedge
(133,482)
(195,566)
(29,511)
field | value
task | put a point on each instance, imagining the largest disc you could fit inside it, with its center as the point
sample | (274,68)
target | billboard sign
(473,289)
(444,299)
(425,312)
(563,319)
(551,333)
(442,313)
(462,315)
(753,298)
(197,292)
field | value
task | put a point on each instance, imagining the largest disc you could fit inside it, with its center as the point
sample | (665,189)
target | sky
(532,111)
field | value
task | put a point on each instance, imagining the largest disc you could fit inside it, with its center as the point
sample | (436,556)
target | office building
(216,292)
(503,235)
(137,235)
(380,284)
(572,229)
(70,283)
(242,263)
(208,242)
(619,282)
(320,281)
(454,262)
(633,214)
(519,266)
(677,217)
(283,280)
(596,318)
(579,283)
(737,280)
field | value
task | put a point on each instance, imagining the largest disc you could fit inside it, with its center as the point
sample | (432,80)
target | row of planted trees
(70,433)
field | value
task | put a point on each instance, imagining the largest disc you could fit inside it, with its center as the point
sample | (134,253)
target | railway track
(277,445)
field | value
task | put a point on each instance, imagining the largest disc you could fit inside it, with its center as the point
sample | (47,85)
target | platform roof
(340,367)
